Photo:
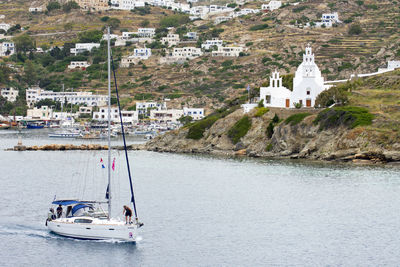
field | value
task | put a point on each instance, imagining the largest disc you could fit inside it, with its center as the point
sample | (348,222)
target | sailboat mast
(62,103)
(109,122)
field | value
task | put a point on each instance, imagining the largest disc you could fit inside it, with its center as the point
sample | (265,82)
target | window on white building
(268,99)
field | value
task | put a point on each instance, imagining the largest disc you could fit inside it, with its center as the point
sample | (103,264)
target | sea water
(200,210)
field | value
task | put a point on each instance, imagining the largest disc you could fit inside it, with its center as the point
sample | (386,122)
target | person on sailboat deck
(59,211)
(52,215)
(128,213)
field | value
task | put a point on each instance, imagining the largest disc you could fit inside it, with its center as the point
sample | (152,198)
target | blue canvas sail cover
(65,202)
(80,206)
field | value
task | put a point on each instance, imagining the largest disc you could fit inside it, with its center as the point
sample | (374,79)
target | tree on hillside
(68,26)
(4,74)
(67,7)
(331,96)
(49,103)
(355,29)
(175,20)
(92,36)
(33,73)
(5,106)
(24,43)
(113,23)
(53,5)
(145,23)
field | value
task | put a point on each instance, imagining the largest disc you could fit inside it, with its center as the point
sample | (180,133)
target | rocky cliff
(303,139)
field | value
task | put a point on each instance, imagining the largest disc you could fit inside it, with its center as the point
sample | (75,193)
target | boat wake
(37,232)
(25,230)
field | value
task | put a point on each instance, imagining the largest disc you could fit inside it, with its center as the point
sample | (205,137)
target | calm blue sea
(202,211)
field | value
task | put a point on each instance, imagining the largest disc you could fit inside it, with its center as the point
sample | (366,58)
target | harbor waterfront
(203,211)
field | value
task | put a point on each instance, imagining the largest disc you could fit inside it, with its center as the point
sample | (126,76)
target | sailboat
(86,219)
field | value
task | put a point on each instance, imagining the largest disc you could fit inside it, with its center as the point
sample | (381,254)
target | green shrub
(269,147)
(331,96)
(92,36)
(275,119)
(345,65)
(270,129)
(261,111)
(53,5)
(175,20)
(355,29)
(348,116)
(239,129)
(299,9)
(197,129)
(296,118)
(67,7)
(259,27)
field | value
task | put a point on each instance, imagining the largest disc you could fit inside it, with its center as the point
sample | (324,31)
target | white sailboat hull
(97,230)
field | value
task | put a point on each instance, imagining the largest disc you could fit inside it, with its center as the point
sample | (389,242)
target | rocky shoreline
(304,140)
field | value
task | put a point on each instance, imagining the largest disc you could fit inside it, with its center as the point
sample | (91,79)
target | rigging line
(123,138)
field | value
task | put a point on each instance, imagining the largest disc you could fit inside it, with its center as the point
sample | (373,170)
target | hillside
(273,40)
(365,130)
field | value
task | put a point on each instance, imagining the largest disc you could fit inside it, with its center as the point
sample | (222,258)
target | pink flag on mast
(113,165)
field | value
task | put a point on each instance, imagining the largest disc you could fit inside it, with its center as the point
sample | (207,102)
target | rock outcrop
(302,140)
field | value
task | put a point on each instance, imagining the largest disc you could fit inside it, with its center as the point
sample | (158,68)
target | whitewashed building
(208,44)
(42,113)
(146,32)
(83,47)
(215,9)
(327,20)
(199,11)
(392,65)
(127,116)
(167,115)
(34,95)
(31,94)
(191,35)
(308,82)
(170,39)
(78,65)
(138,55)
(144,107)
(5,26)
(112,36)
(275,95)
(187,52)
(126,4)
(244,12)
(221,19)
(272,5)
(227,51)
(7,49)
(195,113)
(85,110)
(9,93)
(142,53)
(36,9)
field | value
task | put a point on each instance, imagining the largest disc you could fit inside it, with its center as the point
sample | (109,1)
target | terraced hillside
(273,40)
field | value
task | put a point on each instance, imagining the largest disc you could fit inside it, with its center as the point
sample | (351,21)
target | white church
(308,83)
